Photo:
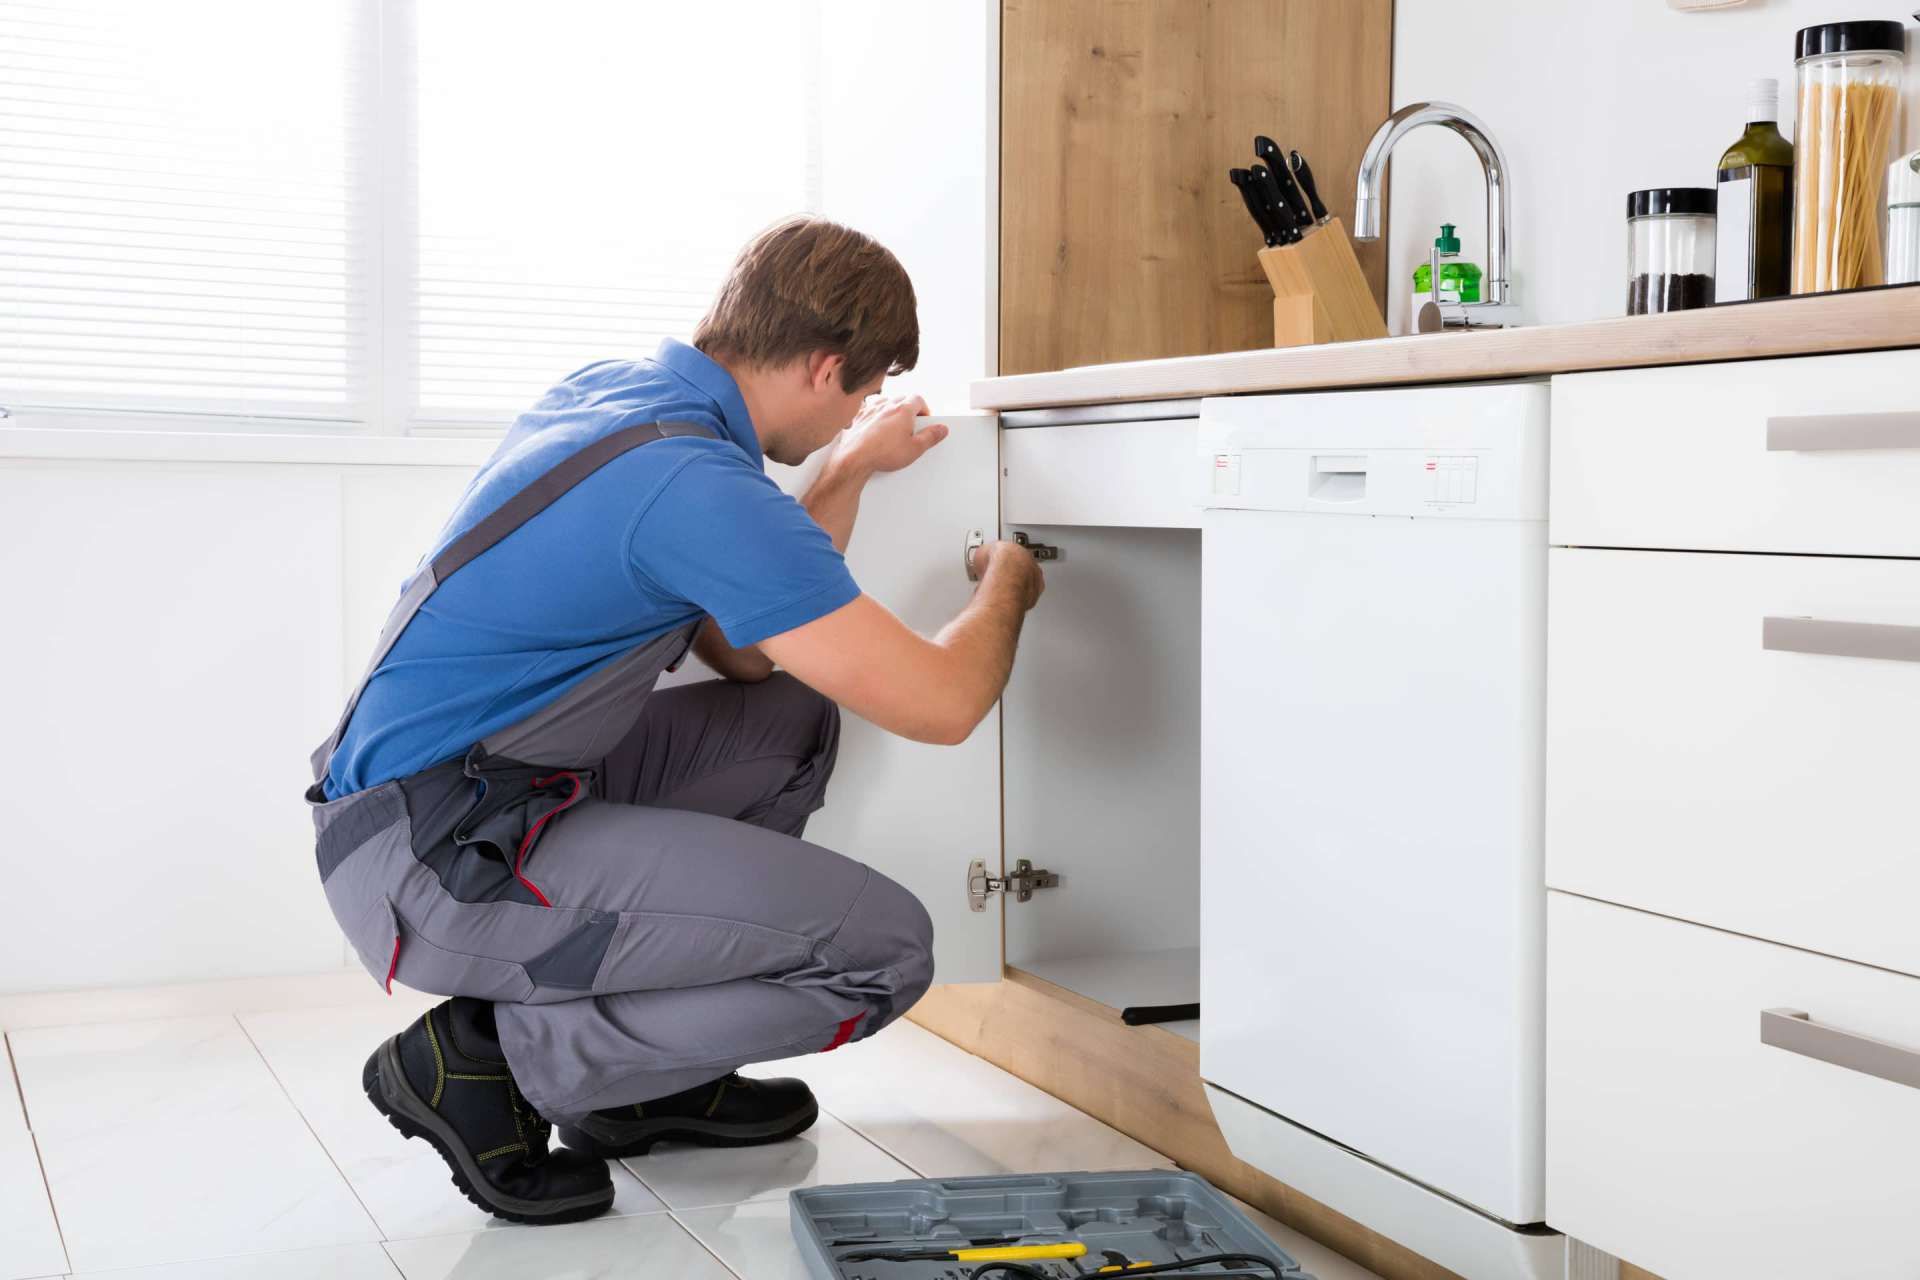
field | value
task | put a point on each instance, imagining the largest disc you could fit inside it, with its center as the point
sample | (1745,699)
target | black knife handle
(1279,208)
(1255,205)
(1269,150)
(1305,177)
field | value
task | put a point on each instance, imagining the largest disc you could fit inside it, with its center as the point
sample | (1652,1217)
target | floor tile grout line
(13,1073)
(695,1237)
(878,1145)
(39,1160)
(52,1208)
(307,1124)
(871,1141)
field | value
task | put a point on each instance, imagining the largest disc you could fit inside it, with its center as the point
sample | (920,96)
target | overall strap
(539,494)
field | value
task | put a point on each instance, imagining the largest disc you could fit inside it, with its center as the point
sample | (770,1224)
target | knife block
(1319,292)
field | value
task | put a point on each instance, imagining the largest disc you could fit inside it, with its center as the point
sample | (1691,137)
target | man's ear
(823,370)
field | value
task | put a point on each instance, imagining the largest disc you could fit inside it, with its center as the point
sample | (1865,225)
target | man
(609,881)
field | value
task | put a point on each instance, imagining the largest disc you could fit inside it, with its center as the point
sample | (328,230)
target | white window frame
(384,402)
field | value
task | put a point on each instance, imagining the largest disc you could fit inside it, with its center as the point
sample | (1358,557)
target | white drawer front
(1682,457)
(1678,1140)
(1694,772)
(1142,474)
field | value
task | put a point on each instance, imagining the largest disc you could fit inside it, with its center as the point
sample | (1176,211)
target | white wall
(1590,99)
(181,633)
(905,93)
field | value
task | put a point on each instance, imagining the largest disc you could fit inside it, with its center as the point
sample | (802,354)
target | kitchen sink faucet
(1498,290)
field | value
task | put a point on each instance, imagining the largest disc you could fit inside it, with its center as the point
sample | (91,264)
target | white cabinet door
(921,813)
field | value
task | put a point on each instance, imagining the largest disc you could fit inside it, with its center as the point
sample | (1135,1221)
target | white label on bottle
(1733,242)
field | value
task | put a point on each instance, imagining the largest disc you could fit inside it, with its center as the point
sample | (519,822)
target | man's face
(818,409)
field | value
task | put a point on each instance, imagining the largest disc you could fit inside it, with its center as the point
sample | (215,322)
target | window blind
(585,180)
(182,205)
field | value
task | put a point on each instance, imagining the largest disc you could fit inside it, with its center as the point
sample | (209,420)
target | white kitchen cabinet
(1677,1138)
(1701,771)
(1733,662)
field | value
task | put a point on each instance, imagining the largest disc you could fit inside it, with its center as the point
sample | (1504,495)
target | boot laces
(534,1128)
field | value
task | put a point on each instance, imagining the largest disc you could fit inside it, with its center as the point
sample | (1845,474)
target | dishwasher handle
(1337,477)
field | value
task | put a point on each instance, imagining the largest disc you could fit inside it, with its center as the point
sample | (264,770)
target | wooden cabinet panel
(1120,237)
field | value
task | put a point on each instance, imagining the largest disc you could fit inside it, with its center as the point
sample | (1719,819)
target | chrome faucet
(1498,289)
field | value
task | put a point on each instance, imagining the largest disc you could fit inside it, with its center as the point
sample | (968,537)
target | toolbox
(1060,1226)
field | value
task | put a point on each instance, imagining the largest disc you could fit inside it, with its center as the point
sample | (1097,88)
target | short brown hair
(807,285)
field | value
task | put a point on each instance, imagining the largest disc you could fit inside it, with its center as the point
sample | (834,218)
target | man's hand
(930,690)
(883,435)
(1016,563)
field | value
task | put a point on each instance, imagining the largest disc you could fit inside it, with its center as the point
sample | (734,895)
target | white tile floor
(223,1146)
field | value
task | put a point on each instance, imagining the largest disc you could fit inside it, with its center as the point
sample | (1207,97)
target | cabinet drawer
(1686,457)
(1144,474)
(1680,1141)
(1700,766)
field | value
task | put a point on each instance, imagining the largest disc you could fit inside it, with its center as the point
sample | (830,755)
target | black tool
(1304,176)
(1275,200)
(1256,205)
(1141,1015)
(1269,150)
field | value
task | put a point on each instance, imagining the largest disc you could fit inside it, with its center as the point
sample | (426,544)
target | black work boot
(732,1111)
(445,1079)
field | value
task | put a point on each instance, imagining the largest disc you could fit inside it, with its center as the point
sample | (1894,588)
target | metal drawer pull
(1796,1032)
(1840,639)
(1844,431)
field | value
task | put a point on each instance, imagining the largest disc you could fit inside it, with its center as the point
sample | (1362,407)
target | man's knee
(907,949)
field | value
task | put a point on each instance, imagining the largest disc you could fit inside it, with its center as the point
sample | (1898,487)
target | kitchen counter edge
(1873,320)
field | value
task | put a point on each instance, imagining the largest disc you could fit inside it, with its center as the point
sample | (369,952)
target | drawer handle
(1840,639)
(1796,1032)
(1844,431)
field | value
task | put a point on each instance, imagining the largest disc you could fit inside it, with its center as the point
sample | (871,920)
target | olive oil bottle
(1753,241)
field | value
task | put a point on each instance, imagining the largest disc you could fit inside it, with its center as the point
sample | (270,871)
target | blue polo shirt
(676,530)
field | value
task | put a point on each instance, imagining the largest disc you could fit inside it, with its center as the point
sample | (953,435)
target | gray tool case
(1152,1215)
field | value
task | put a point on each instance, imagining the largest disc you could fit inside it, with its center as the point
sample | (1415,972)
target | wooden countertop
(1866,321)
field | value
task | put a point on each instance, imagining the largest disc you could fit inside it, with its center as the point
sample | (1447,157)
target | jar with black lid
(1669,249)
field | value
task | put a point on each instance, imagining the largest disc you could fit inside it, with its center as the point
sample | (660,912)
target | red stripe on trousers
(845,1033)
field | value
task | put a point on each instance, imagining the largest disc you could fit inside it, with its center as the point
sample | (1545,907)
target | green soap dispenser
(1459,281)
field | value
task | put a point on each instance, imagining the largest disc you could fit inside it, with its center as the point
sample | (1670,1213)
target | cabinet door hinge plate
(1025,881)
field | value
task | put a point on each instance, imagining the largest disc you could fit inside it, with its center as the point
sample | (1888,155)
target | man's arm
(882,438)
(929,690)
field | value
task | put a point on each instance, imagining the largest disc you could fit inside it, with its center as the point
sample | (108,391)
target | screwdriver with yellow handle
(998,1253)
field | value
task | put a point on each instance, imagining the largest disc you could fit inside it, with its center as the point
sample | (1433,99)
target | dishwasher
(1373,646)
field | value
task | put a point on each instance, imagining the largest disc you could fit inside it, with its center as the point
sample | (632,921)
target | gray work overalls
(621,872)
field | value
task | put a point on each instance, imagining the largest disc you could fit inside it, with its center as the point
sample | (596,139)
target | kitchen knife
(1304,176)
(1269,150)
(1256,205)
(1275,200)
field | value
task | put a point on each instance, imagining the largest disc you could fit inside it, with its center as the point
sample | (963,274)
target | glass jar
(1903,220)
(1669,249)
(1846,127)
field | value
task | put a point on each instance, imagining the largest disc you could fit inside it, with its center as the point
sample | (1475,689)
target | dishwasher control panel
(1475,452)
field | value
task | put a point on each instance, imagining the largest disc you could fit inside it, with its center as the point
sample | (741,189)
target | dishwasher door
(1372,721)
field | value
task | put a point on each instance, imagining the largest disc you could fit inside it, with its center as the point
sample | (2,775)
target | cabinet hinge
(1041,551)
(1025,881)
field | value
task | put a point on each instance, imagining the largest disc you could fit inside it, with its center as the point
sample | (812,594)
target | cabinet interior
(1101,743)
